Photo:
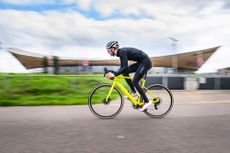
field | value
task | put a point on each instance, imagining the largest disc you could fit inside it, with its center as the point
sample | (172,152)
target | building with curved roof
(188,60)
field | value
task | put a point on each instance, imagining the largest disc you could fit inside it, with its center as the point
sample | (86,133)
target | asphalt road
(198,123)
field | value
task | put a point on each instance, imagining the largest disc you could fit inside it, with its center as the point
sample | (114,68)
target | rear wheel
(102,108)
(162,101)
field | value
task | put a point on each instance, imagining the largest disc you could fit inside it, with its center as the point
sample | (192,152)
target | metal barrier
(214,83)
(172,82)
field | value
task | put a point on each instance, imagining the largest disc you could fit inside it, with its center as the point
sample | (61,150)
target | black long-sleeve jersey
(133,54)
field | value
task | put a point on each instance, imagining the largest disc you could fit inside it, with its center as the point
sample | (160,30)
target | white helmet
(112,44)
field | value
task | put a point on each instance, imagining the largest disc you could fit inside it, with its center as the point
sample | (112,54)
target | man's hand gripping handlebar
(109,74)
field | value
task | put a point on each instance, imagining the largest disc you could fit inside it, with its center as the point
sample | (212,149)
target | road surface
(198,123)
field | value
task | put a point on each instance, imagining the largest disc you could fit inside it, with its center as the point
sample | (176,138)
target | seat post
(143,80)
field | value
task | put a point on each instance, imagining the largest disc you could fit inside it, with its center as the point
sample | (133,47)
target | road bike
(107,100)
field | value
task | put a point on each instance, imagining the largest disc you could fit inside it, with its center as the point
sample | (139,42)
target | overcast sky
(81,28)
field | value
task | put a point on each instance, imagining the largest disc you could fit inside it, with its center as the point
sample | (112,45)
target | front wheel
(102,107)
(162,101)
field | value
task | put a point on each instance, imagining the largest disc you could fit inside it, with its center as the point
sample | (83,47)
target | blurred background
(52,51)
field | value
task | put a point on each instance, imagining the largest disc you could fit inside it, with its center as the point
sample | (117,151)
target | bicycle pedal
(137,106)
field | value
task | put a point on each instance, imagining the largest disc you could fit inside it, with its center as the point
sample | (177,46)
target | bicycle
(111,96)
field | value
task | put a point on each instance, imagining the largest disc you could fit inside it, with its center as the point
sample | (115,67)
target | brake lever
(107,71)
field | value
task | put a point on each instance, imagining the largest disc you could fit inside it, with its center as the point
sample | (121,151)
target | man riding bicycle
(142,65)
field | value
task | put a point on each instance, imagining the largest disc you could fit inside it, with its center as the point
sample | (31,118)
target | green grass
(30,90)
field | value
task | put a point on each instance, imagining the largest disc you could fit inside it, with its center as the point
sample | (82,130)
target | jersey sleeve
(124,63)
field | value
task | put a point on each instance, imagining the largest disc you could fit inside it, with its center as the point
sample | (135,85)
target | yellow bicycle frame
(117,83)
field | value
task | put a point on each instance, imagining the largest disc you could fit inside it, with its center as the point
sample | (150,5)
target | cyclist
(142,65)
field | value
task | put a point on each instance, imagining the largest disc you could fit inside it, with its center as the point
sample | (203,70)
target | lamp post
(0,45)
(174,57)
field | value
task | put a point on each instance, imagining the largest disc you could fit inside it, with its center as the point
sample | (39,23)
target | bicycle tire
(158,90)
(94,103)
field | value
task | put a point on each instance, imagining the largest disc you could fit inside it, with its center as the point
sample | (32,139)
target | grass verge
(32,90)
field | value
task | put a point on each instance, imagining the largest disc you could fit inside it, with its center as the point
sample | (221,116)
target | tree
(45,64)
(56,64)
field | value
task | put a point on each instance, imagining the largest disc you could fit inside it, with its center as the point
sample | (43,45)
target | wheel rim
(162,103)
(102,108)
